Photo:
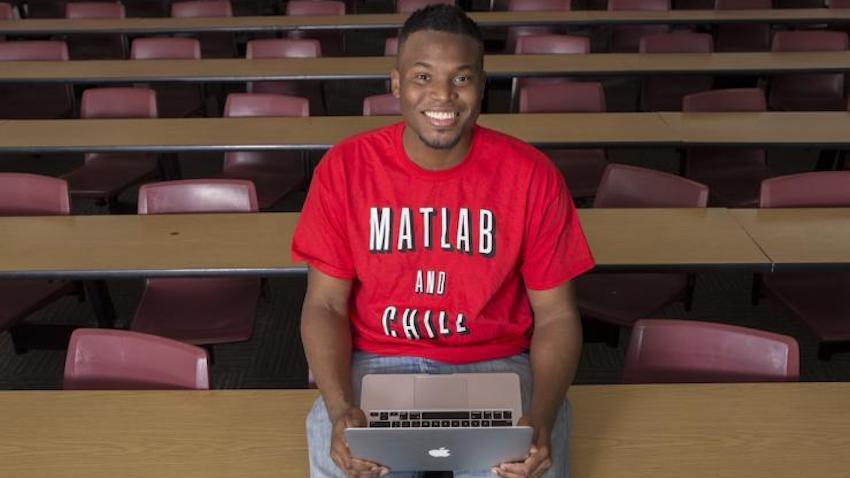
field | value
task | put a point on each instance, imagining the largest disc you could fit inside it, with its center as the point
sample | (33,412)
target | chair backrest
(571,97)
(552,45)
(202,9)
(162,48)
(814,189)
(677,42)
(24,194)
(839,4)
(7,12)
(94,10)
(35,50)
(649,5)
(670,351)
(630,186)
(381,105)
(410,6)
(284,48)
(731,99)
(120,102)
(263,104)
(809,40)
(314,7)
(100,359)
(391,46)
(198,195)
(743,4)
(539,5)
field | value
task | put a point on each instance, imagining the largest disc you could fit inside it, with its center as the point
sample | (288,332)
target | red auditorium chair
(289,48)
(30,195)
(274,174)
(101,359)
(619,299)
(817,298)
(689,351)
(30,100)
(410,6)
(665,93)
(742,37)
(96,46)
(213,44)
(381,105)
(733,175)
(200,311)
(333,42)
(626,38)
(532,6)
(103,176)
(546,45)
(808,91)
(174,100)
(582,168)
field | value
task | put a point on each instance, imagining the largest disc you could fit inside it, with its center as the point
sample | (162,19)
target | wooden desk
(98,247)
(222,134)
(359,68)
(392,21)
(800,238)
(661,239)
(784,430)
(825,129)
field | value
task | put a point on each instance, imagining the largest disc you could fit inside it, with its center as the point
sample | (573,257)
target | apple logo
(441,452)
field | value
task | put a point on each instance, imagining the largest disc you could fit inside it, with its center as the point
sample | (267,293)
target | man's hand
(352,417)
(538,459)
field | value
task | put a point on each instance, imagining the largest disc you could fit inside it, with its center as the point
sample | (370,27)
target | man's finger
(541,469)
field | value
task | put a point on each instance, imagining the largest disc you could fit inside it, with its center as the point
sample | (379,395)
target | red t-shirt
(440,260)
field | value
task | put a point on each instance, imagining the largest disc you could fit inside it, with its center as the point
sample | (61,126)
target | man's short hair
(441,18)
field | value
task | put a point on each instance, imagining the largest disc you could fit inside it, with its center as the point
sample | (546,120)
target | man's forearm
(327,344)
(554,357)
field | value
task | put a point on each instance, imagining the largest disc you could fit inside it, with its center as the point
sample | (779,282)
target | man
(438,246)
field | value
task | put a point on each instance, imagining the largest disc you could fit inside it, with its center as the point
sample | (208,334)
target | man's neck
(433,159)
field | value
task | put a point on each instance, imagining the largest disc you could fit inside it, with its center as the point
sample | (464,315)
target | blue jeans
(319,425)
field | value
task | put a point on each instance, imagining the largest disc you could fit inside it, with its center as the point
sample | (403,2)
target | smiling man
(437,246)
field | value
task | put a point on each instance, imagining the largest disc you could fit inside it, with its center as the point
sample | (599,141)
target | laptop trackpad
(440,392)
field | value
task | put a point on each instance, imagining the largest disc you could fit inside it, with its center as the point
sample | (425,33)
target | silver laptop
(440,422)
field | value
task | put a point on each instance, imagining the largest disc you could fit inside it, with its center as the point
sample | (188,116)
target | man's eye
(421,77)
(461,80)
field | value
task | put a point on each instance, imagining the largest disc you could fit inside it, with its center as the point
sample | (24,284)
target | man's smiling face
(439,81)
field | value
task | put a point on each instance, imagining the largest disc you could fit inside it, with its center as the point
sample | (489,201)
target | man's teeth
(440,115)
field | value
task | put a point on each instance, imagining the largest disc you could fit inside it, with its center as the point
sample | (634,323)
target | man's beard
(440,145)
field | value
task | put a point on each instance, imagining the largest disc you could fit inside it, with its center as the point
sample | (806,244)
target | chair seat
(19,298)
(271,186)
(199,311)
(820,299)
(105,176)
(582,169)
(623,298)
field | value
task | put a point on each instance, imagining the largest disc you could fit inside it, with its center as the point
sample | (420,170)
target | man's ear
(395,82)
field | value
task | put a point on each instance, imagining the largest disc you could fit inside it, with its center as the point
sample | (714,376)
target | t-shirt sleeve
(321,236)
(555,248)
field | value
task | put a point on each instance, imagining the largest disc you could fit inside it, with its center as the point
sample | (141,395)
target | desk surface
(759,129)
(779,430)
(258,244)
(800,238)
(348,68)
(392,21)
(221,134)
(669,239)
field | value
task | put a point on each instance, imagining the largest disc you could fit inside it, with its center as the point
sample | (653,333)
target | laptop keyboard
(440,419)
